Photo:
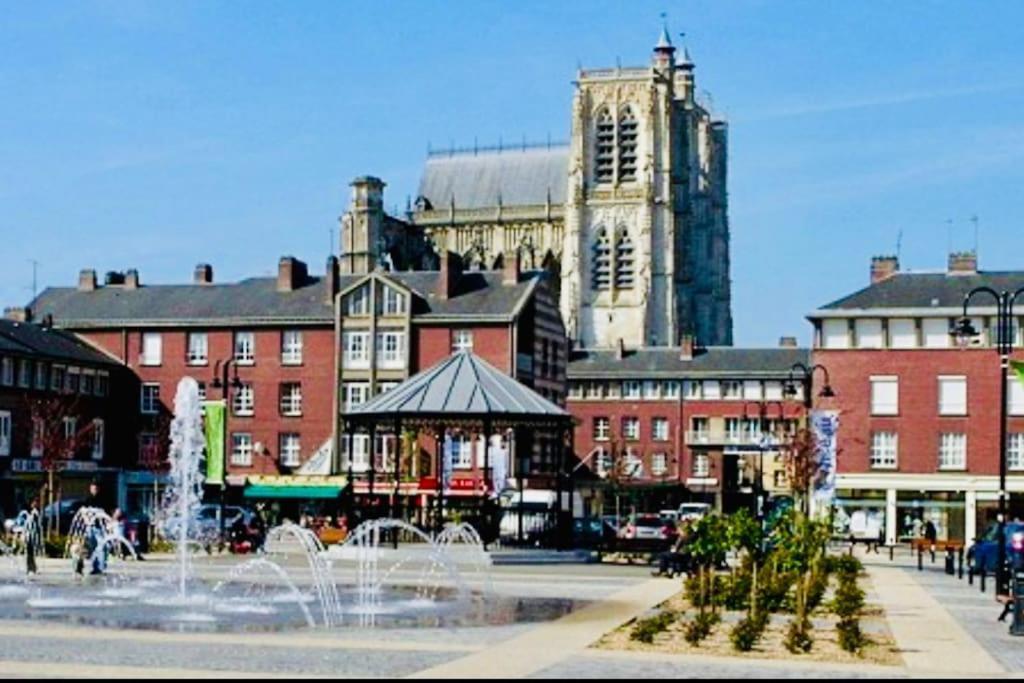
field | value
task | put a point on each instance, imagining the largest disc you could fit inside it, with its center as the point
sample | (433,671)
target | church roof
(476,180)
(461,385)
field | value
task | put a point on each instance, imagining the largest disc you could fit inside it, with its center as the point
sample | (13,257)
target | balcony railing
(724,438)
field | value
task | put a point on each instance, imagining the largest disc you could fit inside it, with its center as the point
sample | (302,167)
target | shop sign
(26,465)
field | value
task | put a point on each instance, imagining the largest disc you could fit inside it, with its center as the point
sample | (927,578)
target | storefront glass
(859,515)
(944,509)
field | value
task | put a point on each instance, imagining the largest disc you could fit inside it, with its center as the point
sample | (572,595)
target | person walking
(31,533)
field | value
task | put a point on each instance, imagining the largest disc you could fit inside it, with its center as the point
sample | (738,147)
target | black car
(592,532)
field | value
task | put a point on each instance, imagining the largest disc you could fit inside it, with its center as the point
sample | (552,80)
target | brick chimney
(686,344)
(511,267)
(963,263)
(787,342)
(19,314)
(620,349)
(448,278)
(203,274)
(883,268)
(331,279)
(86,280)
(131,279)
(291,274)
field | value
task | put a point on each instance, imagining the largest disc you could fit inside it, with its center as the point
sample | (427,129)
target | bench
(922,544)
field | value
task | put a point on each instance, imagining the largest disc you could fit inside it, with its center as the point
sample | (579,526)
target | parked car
(985,551)
(647,526)
(61,513)
(670,516)
(693,511)
(592,532)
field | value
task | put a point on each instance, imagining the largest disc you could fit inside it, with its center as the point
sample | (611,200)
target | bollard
(932,551)
(920,559)
(982,577)
(850,551)
(892,549)
(960,564)
(950,561)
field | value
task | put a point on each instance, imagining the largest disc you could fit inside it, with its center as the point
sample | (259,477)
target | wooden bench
(940,546)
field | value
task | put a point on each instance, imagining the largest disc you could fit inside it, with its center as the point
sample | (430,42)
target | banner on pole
(825,424)
(214,413)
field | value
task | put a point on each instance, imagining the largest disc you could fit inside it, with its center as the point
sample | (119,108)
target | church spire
(664,51)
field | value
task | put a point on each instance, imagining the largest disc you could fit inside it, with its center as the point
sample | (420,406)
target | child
(78,559)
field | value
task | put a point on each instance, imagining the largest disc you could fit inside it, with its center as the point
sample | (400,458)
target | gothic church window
(604,154)
(623,261)
(601,262)
(627,145)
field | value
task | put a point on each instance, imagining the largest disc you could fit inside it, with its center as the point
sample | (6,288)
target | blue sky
(156,135)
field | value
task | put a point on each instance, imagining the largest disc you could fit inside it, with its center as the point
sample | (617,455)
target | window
(935,333)
(245,348)
(202,390)
(575,390)
(602,429)
(462,451)
(902,333)
(952,451)
(631,389)
(73,380)
(1014,450)
(1015,393)
(243,400)
(601,262)
(38,428)
(392,301)
(383,387)
(670,390)
(632,465)
(733,430)
(152,348)
(24,374)
(595,389)
(652,390)
(41,375)
(732,390)
(291,347)
(631,428)
(98,435)
(952,395)
(884,450)
(752,390)
(358,302)
(149,448)
(611,390)
(7,372)
(356,347)
(241,449)
(355,452)
(57,375)
(659,429)
(391,350)
(102,384)
(693,390)
(291,399)
(604,148)
(835,334)
(354,393)
(198,349)
(699,427)
(70,429)
(602,462)
(885,396)
(867,333)
(88,384)
(290,449)
(623,260)
(5,433)
(627,146)
(659,464)
(462,340)
(712,390)
(701,465)
(150,399)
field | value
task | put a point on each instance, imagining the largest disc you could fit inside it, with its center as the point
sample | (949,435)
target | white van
(538,511)
(693,511)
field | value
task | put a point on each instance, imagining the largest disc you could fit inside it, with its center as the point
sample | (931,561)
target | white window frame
(6,433)
(659,464)
(355,452)
(463,447)
(693,390)
(241,449)
(631,428)
(631,389)
(98,438)
(935,333)
(732,390)
(291,347)
(392,301)
(903,333)
(149,402)
(291,399)
(602,427)
(357,302)
(835,333)
(290,449)
(948,406)
(356,349)
(1015,396)
(36,447)
(701,465)
(391,349)
(1015,451)
(884,452)
(243,400)
(152,351)
(651,390)
(712,390)
(243,348)
(670,389)
(7,371)
(198,351)
(947,441)
(42,376)
(660,429)
(867,333)
(462,340)
(350,389)
(879,406)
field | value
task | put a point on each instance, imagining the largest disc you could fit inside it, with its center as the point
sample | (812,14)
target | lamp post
(964,331)
(220,381)
(762,417)
(805,375)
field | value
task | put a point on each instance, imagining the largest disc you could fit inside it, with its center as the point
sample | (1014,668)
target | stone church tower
(645,256)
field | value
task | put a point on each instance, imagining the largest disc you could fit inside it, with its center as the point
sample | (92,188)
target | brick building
(918,432)
(56,392)
(667,425)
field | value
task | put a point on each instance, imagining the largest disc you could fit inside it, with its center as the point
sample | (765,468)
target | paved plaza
(943,627)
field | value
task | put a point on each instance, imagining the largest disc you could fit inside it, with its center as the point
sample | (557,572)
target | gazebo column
(346,447)
(396,501)
(518,462)
(488,484)
(373,467)
(439,476)
(559,467)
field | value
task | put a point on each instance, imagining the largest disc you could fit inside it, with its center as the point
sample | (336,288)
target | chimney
(203,274)
(883,268)
(131,279)
(114,277)
(963,263)
(686,347)
(620,349)
(451,271)
(331,279)
(19,314)
(787,342)
(291,274)
(511,267)
(86,280)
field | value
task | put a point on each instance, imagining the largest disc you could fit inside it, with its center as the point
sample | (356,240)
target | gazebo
(461,403)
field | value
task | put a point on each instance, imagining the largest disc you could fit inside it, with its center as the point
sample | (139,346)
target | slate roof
(29,339)
(520,177)
(926,290)
(462,384)
(480,294)
(716,361)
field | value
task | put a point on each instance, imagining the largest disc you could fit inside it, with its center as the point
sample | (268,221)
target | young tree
(800,460)
(745,534)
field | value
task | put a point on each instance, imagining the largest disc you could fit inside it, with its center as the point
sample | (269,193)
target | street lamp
(762,417)
(805,375)
(220,381)
(964,330)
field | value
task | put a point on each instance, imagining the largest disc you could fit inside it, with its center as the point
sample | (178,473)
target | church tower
(645,256)
(362,226)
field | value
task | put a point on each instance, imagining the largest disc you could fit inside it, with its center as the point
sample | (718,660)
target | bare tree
(801,462)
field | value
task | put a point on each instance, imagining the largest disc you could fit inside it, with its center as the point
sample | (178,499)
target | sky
(157,135)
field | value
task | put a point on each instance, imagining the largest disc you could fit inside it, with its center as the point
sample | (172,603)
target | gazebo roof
(460,386)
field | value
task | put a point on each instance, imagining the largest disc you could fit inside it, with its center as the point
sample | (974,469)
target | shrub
(816,589)
(845,565)
(747,632)
(699,628)
(848,600)
(733,592)
(691,586)
(798,636)
(850,637)
(772,590)
(645,629)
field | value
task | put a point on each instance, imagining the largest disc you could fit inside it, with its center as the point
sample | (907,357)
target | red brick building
(665,425)
(918,431)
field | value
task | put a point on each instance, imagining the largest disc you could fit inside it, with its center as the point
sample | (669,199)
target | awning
(301,488)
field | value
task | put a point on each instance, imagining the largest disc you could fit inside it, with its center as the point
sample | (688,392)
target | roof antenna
(899,245)
(974,219)
(35,279)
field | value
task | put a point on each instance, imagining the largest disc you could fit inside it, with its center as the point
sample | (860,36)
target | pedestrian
(930,534)
(33,538)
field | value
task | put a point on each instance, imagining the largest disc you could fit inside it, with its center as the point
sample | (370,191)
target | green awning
(303,492)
